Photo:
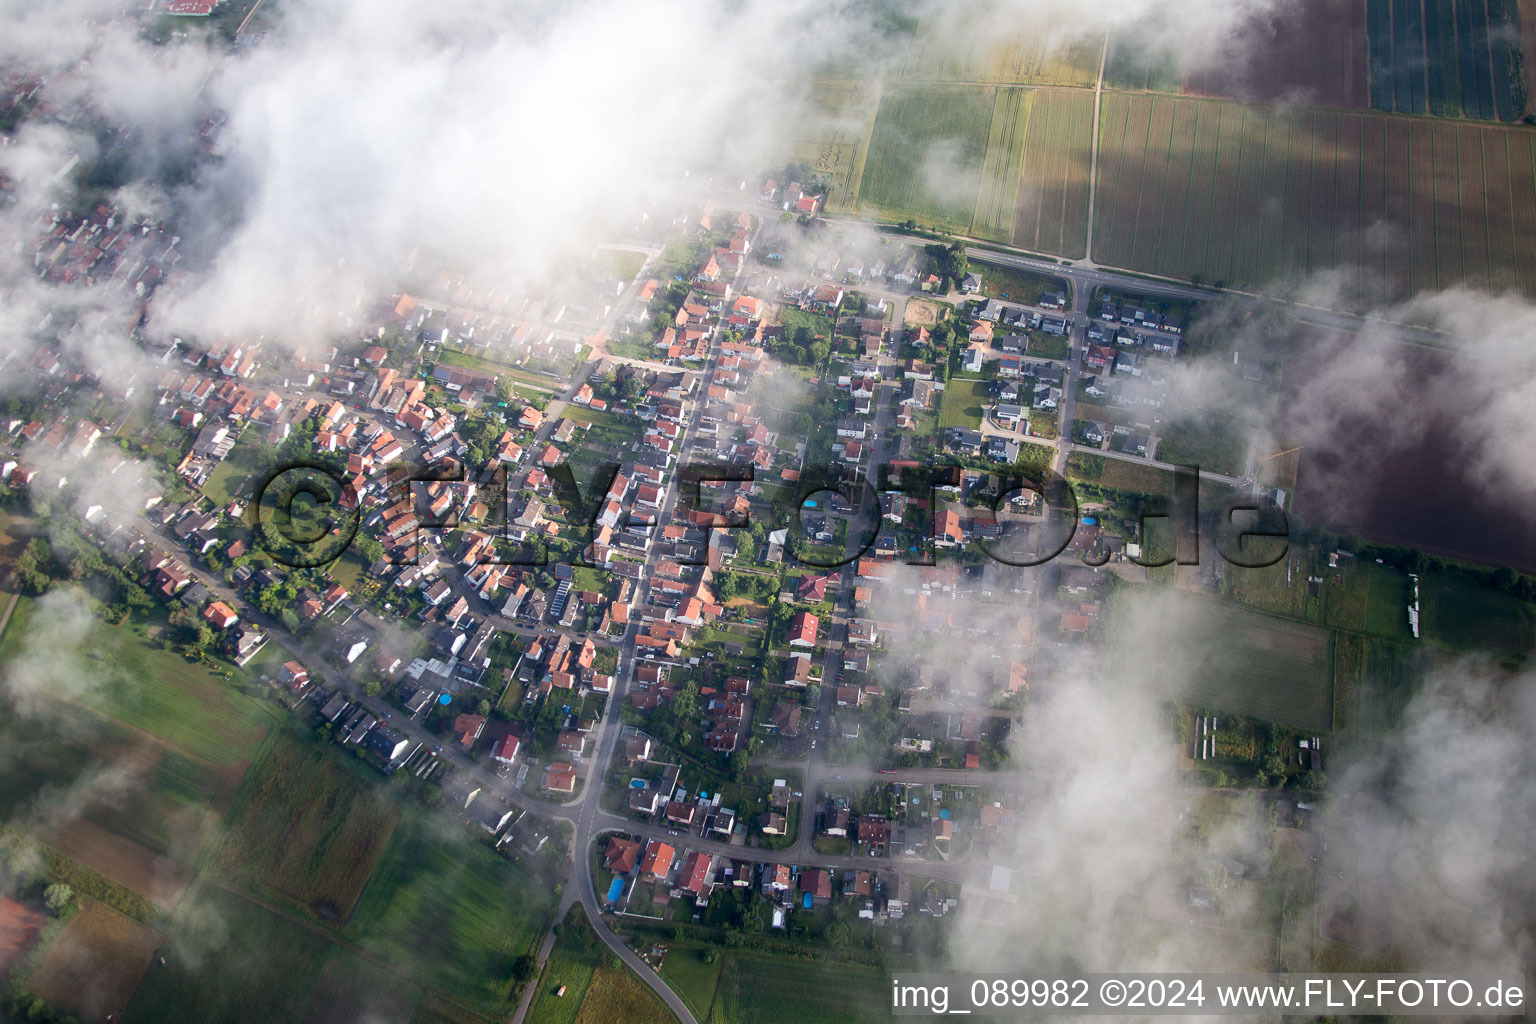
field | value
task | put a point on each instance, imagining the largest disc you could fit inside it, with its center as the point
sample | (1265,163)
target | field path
(10,606)
(1093,160)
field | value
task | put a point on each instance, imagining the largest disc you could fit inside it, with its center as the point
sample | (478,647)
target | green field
(1052,211)
(1236,660)
(230,960)
(449,911)
(833,139)
(1216,443)
(927,145)
(965,402)
(1463,613)
(153,689)
(119,673)
(1003,166)
(1374,681)
(571,962)
(686,973)
(309,828)
(352,989)
(756,991)
(621,263)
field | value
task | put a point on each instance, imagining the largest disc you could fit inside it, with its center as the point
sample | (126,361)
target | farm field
(1311,52)
(963,45)
(309,828)
(617,995)
(19,928)
(160,692)
(230,959)
(752,991)
(1450,58)
(924,151)
(352,989)
(144,806)
(450,912)
(1051,211)
(96,963)
(834,136)
(1249,663)
(144,812)
(1245,195)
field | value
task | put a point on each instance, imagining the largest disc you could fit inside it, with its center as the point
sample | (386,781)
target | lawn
(445,908)
(1235,660)
(622,263)
(1463,613)
(686,973)
(965,402)
(754,991)
(309,828)
(1016,285)
(96,963)
(237,475)
(230,960)
(1217,444)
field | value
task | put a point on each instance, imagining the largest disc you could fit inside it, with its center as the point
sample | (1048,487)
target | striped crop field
(1051,205)
(1007,163)
(964,45)
(1004,165)
(833,136)
(1449,58)
(1247,195)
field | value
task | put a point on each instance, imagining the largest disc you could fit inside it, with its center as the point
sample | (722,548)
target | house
(293,675)
(621,856)
(468,728)
(817,883)
(863,632)
(560,778)
(505,749)
(695,871)
(221,615)
(874,832)
(803,629)
(658,860)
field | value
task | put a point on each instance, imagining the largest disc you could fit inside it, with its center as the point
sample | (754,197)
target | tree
(504,389)
(711,956)
(523,968)
(483,709)
(372,688)
(58,897)
(1504,578)
(739,762)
